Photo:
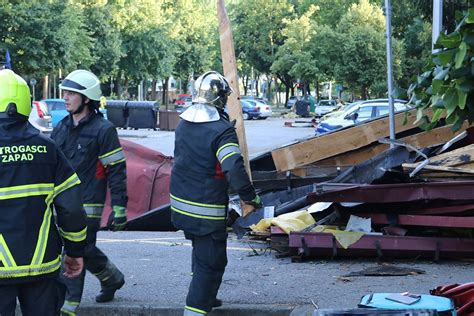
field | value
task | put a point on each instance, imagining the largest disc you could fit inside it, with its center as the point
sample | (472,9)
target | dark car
(250,110)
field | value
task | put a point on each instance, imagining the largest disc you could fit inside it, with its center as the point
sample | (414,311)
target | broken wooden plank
(230,72)
(455,157)
(411,166)
(436,136)
(328,145)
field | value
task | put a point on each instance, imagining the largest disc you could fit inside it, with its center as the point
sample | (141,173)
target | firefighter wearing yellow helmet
(34,177)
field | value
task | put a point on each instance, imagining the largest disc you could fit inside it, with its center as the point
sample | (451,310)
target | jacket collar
(70,122)
(13,130)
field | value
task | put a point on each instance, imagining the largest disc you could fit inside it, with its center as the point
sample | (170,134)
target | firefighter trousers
(209,259)
(36,298)
(95,261)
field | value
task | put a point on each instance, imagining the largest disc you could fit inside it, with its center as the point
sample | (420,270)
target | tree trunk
(316,87)
(245,83)
(153,90)
(256,86)
(163,99)
(46,87)
(165,91)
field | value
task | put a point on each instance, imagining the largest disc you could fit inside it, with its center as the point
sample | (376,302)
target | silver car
(40,117)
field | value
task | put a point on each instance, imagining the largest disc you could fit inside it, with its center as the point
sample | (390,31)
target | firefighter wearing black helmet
(91,144)
(34,177)
(207,161)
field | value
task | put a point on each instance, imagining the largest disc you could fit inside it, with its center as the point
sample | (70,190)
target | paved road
(157,267)
(262,136)
(157,264)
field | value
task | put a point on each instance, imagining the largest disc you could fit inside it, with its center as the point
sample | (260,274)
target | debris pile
(353,192)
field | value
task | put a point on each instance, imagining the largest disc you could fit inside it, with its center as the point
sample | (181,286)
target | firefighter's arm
(232,163)
(112,157)
(67,200)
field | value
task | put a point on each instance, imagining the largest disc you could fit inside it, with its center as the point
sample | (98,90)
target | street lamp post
(388,16)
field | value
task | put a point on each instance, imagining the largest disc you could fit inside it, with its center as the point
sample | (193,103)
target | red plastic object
(462,296)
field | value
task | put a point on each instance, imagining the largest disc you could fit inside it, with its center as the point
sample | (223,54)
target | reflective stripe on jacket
(207,161)
(94,150)
(34,176)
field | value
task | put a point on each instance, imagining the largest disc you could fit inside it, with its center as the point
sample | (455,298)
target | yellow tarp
(297,221)
(294,221)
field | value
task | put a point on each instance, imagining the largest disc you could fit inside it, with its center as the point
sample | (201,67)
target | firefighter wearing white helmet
(91,143)
(33,175)
(199,190)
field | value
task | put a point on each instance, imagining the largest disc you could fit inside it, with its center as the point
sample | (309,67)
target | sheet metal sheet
(324,244)
(148,178)
(422,220)
(403,192)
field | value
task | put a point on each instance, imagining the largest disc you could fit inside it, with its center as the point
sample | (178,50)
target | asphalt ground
(157,264)
(157,269)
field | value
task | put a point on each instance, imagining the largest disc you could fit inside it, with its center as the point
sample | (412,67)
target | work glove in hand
(256,202)
(120,218)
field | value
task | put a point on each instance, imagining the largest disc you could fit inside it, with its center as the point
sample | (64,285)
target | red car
(183,101)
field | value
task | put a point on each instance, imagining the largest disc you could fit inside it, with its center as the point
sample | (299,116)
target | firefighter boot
(111,280)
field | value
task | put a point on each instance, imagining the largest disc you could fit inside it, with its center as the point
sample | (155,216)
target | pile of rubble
(353,192)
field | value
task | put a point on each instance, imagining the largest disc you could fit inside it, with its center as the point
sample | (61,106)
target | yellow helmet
(14,95)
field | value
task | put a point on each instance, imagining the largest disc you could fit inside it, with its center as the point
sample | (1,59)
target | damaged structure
(369,196)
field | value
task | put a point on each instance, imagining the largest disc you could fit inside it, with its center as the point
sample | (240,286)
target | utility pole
(391,113)
(230,72)
(437,22)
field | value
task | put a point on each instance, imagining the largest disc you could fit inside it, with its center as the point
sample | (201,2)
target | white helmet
(211,88)
(83,82)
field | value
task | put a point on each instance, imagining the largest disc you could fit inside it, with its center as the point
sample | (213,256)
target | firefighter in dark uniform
(91,144)
(34,177)
(207,161)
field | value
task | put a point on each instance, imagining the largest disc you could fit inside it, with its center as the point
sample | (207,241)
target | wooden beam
(436,136)
(411,166)
(230,72)
(460,156)
(332,144)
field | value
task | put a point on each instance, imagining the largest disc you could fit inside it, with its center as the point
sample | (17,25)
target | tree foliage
(447,85)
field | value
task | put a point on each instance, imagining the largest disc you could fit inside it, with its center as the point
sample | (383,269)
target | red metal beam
(400,192)
(423,220)
(324,244)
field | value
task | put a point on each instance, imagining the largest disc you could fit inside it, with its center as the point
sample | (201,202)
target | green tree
(362,60)
(294,56)
(107,44)
(44,37)
(257,29)
(446,88)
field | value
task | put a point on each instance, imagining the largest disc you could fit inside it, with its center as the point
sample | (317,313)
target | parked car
(57,109)
(344,108)
(325,106)
(40,117)
(264,109)
(358,113)
(291,101)
(183,101)
(252,98)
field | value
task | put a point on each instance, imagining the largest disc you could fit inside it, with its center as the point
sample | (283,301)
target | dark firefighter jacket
(34,176)
(94,151)
(207,160)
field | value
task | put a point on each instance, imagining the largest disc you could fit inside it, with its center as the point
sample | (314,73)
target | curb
(142,309)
